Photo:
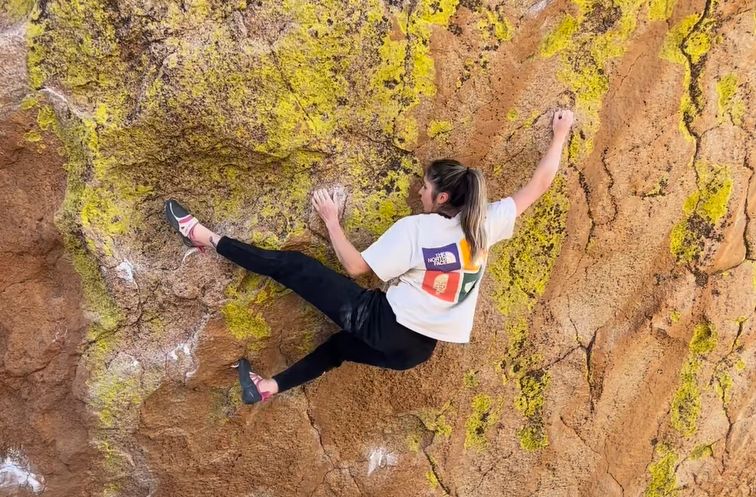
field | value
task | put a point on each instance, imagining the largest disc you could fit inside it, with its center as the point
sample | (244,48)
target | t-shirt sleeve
(391,255)
(500,220)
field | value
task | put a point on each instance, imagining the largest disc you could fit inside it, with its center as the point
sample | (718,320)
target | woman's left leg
(339,347)
(407,350)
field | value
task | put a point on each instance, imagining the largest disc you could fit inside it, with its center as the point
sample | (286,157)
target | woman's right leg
(332,293)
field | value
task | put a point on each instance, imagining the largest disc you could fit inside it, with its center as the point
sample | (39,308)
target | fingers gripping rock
(340,196)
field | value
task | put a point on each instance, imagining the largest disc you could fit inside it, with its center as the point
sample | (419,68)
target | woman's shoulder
(423,219)
(408,220)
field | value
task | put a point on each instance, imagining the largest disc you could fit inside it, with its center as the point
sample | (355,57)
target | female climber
(435,261)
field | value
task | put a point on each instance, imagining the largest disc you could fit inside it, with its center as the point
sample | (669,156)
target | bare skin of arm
(547,168)
(350,257)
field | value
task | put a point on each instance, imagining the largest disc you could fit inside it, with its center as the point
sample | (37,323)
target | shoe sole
(173,220)
(250,395)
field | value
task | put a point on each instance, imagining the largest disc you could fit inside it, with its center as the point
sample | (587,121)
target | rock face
(44,427)
(613,349)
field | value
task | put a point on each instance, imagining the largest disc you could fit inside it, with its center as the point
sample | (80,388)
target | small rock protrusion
(339,194)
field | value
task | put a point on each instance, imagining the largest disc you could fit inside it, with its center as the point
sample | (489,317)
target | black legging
(369,334)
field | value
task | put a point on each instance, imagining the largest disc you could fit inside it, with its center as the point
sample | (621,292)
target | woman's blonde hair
(466,188)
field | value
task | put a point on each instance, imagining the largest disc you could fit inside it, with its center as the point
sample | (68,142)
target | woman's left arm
(350,257)
(547,168)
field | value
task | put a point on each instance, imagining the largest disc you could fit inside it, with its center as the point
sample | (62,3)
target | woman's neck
(447,213)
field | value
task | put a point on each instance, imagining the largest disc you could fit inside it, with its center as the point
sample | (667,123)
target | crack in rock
(433,466)
(587,194)
(588,350)
(749,185)
(609,188)
(333,465)
(622,489)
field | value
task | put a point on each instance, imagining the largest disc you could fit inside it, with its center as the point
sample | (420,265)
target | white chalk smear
(380,458)
(183,352)
(193,250)
(538,7)
(16,473)
(125,271)
(62,98)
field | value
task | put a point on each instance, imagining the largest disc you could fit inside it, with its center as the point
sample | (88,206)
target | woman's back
(437,286)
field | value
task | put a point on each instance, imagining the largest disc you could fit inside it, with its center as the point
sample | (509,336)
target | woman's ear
(442,198)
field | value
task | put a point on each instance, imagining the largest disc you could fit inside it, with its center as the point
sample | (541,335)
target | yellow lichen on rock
(494,25)
(436,128)
(686,404)
(662,481)
(470,379)
(242,312)
(686,43)
(437,420)
(530,403)
(16,9)
(520,269)
(723,384)
(585,55)
(729,103)
(702,212)
(381,188)
(701,452)
(661,10)
(485,412)
(406,71)
(560,37)
(432,479)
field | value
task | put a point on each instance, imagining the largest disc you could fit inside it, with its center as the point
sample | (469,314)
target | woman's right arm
(547,168)
(350,257)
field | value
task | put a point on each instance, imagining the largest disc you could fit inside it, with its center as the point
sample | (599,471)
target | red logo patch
(441,285)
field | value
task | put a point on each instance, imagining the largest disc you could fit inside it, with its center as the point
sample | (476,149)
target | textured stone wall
(613,350)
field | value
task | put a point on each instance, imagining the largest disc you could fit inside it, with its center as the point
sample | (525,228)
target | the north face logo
(442,258)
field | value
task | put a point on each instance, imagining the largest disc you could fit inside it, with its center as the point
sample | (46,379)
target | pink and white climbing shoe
(182,221)
(250,382)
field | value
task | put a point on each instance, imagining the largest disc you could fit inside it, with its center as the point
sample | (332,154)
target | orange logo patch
(441,285)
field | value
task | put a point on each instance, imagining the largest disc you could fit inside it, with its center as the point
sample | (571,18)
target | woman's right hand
(325,206)
(562,122)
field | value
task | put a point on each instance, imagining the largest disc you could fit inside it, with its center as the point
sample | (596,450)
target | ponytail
(473,213)
(466,188)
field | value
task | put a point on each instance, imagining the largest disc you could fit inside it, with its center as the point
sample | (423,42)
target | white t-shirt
(438,282)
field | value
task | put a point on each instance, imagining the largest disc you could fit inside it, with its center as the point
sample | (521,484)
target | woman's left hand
(325,206)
